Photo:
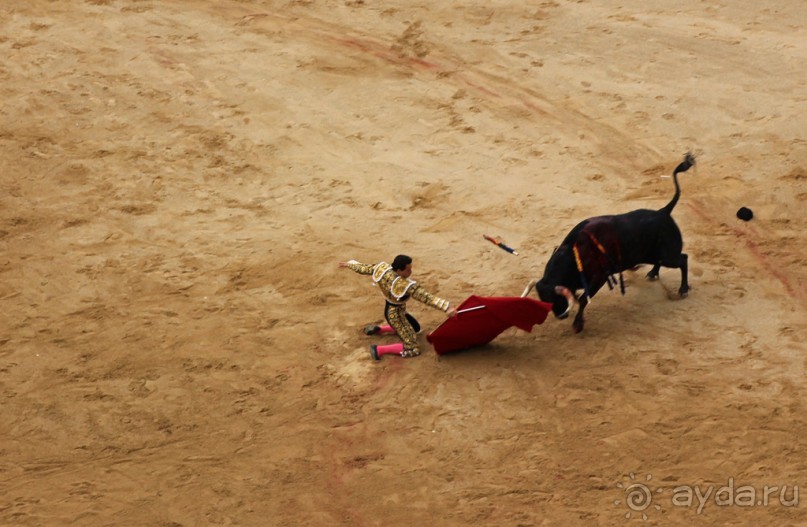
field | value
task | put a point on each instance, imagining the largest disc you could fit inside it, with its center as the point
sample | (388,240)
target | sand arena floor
(178,181)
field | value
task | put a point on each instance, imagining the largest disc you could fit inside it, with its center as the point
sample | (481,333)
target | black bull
(599,248)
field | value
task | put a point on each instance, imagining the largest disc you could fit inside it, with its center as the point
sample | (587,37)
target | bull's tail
(685,165)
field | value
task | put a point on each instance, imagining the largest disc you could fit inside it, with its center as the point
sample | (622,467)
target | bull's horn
(559,289)
(528,288)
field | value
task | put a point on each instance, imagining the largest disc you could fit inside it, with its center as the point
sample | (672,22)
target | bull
(598,249)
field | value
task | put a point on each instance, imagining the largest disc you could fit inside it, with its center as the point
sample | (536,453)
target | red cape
(481,319)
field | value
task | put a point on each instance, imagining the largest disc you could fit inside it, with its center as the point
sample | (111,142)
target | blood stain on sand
(389,372)
(756,252)
(385,54)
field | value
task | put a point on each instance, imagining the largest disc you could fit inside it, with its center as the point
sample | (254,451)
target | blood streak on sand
(481,88)
(754,249)
(383,53)
(455,71)
(389,373)
(387,55)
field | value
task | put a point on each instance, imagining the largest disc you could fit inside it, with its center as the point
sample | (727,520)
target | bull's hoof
(651,277)
(577,326)
(683,293)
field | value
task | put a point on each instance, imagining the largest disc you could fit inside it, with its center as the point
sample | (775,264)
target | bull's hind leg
(678,262)
(683,291)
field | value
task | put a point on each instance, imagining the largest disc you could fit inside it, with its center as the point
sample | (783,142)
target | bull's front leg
(579,321)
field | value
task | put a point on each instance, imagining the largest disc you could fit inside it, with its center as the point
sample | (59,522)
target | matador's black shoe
(374,352)
(372,329)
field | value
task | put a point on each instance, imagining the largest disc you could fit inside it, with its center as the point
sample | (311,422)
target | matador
(395,284)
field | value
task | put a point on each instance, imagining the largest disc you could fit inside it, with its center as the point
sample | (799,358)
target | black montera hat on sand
(745,214)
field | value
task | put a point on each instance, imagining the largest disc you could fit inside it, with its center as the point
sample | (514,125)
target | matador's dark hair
(400,262)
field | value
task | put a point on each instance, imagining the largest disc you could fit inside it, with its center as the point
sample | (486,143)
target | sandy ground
(180,179)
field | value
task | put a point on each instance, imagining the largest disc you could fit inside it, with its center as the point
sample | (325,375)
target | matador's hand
(452,312)
(342,264)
